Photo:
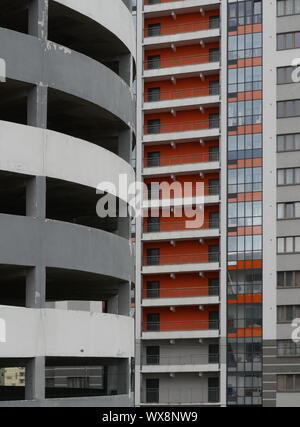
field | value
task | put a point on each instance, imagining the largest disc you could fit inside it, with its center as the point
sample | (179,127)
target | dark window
(153,256)
(214,88)
(214,121)
(154,30)
(153,289)
(153,322)
(153,159)
(154,94)
(153,126)
(154,224)
(214,153)
(214,320)
(213,253)
(214,22)
(213,287)
(153,355)
(214,220)
(214,55)
(213,390)
(214,187)
(152,389)
(153,62)
(213,353)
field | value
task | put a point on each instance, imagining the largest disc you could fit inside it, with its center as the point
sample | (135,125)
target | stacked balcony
(180,326)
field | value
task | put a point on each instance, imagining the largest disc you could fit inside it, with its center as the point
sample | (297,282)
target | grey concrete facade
(67,123)
(281,360)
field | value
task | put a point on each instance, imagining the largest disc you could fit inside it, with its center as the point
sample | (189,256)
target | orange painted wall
(183,121)
(183,22)
(193,179)
(173,223)
(185,252)
(184,285)
(185,318)
(184,88)
(191,152)
(184,55)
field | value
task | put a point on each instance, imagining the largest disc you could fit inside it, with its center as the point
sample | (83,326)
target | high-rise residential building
(218,104)
(67,124)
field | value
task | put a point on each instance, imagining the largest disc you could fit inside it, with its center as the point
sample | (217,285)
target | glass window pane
(289,176)
(280,279)
(289,244)
(289,142)
(289,279)
(280,143)
(289,210)
(297,176)
(297,244)
(281,211)
(281,177)
(297,141)
(280,245)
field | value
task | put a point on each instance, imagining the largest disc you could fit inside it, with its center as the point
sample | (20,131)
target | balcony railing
(170,95)
(185,192)
(186,292)
(185,325)
(182,159)
(186,27)
(166,226)
(175,395)
(181,126)
(196,258)
(193,359)
(177,61)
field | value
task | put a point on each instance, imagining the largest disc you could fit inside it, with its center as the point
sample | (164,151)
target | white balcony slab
(169,335)
(182,169)
(180,268)
(181,235)
(169,369)
(207,200)
(191,5)
(181,135)
(182,70)
(179,302)
(182,38)
(182,103)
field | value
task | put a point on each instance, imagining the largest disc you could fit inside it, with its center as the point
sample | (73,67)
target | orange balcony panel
(247,333)
(250,197)
(184,55)
(186,153)
(183,319)
(184,23)
(184,88)
(246,265)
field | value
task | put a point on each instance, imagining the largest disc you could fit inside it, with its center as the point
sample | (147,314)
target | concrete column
(36,287)
(126,68)
(38,18)
(35,379)
(36,197)
(37,107)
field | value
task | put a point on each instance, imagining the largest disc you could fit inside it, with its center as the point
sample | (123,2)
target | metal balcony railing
(182,159)
(181,126)
(170,95)
(186,192)
(184,325)
(185,27)
(193,359)
(196,258)
(175,395)
(177,61)
(186,292)
(166,226)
